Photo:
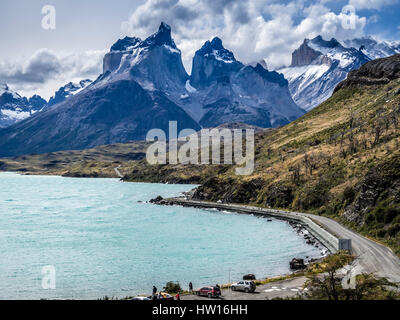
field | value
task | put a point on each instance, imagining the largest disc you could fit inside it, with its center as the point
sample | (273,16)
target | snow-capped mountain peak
(318,51)
(374,49)
(215,50)
(68,90)
(212,62)
(14,108)
(317,67)
(161,37)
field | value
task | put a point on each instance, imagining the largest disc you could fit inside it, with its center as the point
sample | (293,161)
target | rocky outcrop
(161,201)
(369,191)
(304,55)
(279,195)
(381,183)
(229,190)
(376,72)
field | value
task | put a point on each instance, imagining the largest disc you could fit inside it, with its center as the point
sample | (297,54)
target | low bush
(172,287)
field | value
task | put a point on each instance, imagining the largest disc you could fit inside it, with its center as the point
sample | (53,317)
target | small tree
(367,286)
(330,286)
(296,174)
(172,287)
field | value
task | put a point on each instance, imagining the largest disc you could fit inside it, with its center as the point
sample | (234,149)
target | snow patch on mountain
(189,88)
(305,75)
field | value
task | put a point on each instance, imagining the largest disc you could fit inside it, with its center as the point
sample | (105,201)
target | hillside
(342,159)
(97,162)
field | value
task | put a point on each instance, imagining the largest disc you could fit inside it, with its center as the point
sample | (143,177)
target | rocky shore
(309,238)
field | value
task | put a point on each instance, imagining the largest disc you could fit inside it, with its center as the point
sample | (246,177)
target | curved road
(118,173)
(372,257)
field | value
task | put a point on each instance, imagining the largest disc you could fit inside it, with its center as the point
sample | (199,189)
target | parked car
(140,298)
(246,286)
(211,292)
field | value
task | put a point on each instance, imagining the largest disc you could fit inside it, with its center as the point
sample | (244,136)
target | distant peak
(161,37)
(216,49)
(216,43)
(262,63)
(164,27)
(318,40)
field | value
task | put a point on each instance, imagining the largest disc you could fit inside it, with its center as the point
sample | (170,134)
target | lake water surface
(101,241)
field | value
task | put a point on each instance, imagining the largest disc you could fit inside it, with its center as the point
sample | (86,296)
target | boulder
(297,264)
(157,200)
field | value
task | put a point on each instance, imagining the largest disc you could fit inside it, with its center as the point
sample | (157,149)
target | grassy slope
(96,162)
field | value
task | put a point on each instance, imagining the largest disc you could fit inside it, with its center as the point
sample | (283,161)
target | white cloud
(252,29)
(45,71)
(371,4)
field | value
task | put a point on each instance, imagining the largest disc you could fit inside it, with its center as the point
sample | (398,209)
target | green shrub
(383,214)
(348,195)
(393,230)
(314,196)
(381,233)
(172,287)
(391,214)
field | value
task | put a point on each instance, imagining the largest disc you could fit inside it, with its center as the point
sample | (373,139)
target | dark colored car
(211,292)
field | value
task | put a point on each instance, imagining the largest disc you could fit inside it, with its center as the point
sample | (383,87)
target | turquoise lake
(102,241)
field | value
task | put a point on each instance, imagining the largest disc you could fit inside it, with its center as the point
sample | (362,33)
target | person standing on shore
(154,290)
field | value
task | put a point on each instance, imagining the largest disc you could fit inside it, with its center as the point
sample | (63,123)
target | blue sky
(36,60)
